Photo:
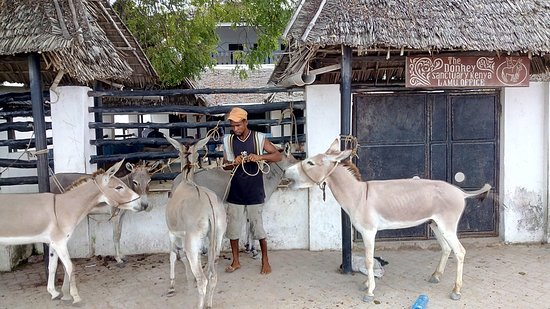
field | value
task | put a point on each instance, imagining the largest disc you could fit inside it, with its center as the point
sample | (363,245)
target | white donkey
(389,204)
(51,218)
(138,180)
(192,214)
(217,180)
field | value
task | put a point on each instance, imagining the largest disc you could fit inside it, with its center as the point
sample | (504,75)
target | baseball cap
(237,114)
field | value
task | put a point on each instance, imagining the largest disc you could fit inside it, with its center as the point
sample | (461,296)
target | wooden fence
(133,147)
(137,144)
(13,106)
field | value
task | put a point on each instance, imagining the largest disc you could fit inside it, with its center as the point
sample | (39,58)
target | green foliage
(179,36)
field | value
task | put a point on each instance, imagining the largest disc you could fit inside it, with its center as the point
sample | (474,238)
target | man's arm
(272,155)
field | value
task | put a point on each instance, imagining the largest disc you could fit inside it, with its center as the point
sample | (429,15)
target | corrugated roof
(226,77)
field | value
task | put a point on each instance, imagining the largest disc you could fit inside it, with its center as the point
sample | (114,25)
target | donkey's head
(189,155)
(314,170)
(139,179)
(114,192)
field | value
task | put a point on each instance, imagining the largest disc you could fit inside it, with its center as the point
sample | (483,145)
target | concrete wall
(323,126)
(524,164)
(70,118)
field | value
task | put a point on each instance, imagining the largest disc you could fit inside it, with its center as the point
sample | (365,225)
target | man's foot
(266,268)
(231,268)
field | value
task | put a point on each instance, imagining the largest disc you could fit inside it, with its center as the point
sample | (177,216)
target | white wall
(323,126)
(524,164)
(70,118)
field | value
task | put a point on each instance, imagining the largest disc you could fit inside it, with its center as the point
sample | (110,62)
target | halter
(100,189)
(321,183)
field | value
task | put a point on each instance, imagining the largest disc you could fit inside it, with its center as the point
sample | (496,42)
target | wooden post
(345,107)
(39,132)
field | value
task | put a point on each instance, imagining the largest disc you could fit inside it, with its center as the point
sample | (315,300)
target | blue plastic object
(421,302)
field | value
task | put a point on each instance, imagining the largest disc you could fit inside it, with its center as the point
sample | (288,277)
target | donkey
(138,180)
(193,213)
(217,180)
(389,204)
(51,218)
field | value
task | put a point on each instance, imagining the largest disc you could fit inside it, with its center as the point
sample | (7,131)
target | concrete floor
(495,276)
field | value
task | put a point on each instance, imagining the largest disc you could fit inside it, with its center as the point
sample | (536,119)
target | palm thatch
(83,39)
(396,28)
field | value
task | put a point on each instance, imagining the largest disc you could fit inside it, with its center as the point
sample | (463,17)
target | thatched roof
(397,28)
(83,38)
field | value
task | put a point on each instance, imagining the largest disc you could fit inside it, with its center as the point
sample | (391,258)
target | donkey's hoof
(434,279)
(79,304)
(368,299)
(455,296)
(171,292)
(56,295)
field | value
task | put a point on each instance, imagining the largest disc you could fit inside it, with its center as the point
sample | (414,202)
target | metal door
(446,136)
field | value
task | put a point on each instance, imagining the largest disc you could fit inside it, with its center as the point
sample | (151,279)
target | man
(243,149)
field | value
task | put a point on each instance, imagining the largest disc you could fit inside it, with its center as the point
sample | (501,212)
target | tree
(179,36)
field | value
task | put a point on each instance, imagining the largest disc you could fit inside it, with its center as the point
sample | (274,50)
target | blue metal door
(447,136)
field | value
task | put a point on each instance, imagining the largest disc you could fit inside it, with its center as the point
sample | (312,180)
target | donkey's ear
(153,166)
(339,157)
(113,169)
(334,147)
(129,166)
(202,143)
(174,143)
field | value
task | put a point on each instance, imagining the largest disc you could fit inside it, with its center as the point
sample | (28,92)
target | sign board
(467,72)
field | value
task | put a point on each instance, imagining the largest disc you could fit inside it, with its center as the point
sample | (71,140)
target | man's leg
(254,213)
(236,264)
(235,221)
(266,268)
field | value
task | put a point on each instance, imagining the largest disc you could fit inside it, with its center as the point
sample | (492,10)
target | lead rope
(56,181)
(321,183)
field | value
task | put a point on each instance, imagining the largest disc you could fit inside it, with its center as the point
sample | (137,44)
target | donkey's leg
(212,281)
(368,239)
(192,249)
(459,252)
(117,231)
(52,269)
(173,259)
(66,288)
(69,274)
(213,260)
(445,251)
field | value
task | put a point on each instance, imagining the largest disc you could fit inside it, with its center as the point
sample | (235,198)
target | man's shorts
(236,219)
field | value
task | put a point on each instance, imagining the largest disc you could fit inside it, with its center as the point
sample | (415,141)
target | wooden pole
(39,132)
(345,129)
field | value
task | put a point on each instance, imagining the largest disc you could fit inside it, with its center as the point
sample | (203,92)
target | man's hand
(238,160)
(254,158)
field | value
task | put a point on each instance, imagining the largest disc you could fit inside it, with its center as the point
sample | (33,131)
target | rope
(215,135)
(261,168)
(293,123)
(350,142)
(55,180)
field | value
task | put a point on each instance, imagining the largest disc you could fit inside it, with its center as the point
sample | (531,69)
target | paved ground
(495,276)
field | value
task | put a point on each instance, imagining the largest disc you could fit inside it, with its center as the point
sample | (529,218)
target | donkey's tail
(213,249)
(482,193)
